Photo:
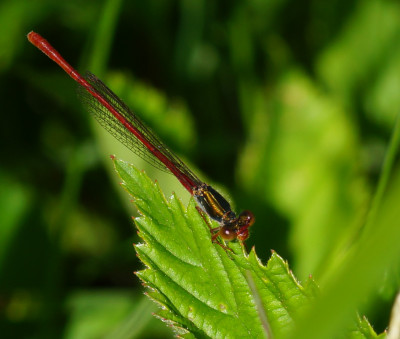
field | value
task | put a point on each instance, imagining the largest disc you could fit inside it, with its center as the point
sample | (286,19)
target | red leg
(214,231)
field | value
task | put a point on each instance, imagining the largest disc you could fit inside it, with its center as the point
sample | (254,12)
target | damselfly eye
(246,218)
(227,233)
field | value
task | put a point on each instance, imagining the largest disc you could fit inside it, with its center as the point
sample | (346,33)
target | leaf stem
(386,172)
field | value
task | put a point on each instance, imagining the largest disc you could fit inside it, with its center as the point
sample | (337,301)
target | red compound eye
(227,233)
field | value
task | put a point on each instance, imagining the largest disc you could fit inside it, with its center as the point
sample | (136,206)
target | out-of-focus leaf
(382,100)
(108,314)
(15,16)
(353,283)
(365,43)
(307,167)
(15,202)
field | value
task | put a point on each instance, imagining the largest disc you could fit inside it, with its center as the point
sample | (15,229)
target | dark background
(285,106)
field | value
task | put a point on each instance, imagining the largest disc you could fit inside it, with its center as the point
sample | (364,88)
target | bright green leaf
(204,290)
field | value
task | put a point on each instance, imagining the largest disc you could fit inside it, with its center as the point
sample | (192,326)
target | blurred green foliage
(288,105)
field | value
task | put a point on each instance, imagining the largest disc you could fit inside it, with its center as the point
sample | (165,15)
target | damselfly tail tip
(32,36)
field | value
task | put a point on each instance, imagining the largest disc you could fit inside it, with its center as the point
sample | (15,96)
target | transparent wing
(118,130)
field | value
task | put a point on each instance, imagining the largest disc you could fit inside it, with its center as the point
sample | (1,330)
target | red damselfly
(126,126)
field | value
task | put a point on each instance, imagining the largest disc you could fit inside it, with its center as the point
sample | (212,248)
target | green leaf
(109,314)
(204,290)
(303,160)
